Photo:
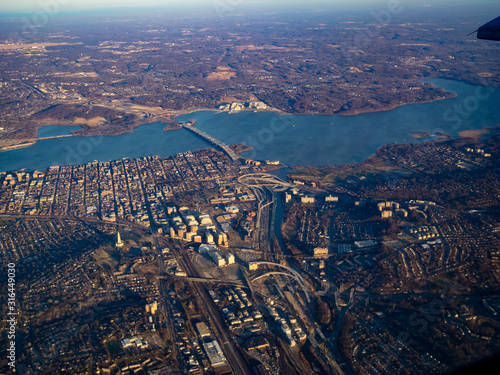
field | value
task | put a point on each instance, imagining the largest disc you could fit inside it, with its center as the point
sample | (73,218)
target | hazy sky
(49,6)
(36,5)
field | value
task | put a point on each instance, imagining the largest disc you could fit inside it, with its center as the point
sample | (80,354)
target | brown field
(90,122)
(221,75)
(251,47)
(12,47)
(473,133)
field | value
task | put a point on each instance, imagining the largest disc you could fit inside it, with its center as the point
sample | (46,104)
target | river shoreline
(7,144)
(291,139)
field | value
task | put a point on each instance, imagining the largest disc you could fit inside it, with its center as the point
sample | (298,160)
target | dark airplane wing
(490,31)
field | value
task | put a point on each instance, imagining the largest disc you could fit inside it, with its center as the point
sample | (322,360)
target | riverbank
(100,126)
(291,139)
(390,107)
(15,144)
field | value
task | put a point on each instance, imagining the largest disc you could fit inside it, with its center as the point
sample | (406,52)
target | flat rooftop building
(202,329)
(215,354)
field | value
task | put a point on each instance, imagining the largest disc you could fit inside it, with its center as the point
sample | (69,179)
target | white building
(307,200)
(232,209)
(205,219)
(206,248)
(331,198)
(209,237)
(215,354)
(217,258)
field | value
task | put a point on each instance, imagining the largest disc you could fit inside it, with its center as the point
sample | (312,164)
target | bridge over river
(225,148)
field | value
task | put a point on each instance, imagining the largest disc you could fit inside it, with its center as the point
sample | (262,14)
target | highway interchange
(265,187)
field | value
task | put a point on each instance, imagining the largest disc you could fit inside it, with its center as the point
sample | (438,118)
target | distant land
(308,190)
(158,67)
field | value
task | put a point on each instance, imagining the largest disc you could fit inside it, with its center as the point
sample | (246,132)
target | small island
(178,125)
(421,134)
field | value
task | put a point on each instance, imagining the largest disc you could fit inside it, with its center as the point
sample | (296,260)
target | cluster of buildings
(295,196)
(450,244)
(374,348)
(352,224)
(210,346)
(215,254)
(258,163)
(137,190)
(240,106)
(230,194)
(32,240)
(132,368)
(313,231)
(288,326)
(133,284)
(237,310)
(388,209)
(260,348)
(135,341)
(316,268)
(478,151)
(193,226)
(190,353)
(424,232)
(172,266)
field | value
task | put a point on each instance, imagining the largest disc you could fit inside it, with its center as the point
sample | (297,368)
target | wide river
(291,139)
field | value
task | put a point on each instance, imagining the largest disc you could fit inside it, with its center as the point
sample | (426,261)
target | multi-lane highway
(264,187)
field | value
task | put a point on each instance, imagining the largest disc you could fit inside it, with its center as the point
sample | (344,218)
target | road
(262,237)
(264,218)
(265,187)
(333,344)
(120,223)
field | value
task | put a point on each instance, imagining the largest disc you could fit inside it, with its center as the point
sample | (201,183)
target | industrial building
(320,251)
(214,353)
(202,329)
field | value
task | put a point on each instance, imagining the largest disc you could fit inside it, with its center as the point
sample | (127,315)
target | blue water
(291,139)
(55,130)
(146,140)
(337,140)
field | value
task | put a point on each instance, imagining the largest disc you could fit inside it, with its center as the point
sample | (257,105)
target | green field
(113,347)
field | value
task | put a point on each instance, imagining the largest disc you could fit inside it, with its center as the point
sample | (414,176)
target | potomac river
(291,139)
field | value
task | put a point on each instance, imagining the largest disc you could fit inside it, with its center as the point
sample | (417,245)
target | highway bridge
(225,148)
(267,274)
(294,274)
(259,180)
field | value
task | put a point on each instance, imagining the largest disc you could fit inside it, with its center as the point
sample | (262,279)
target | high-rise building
(152,307)
(209,237)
